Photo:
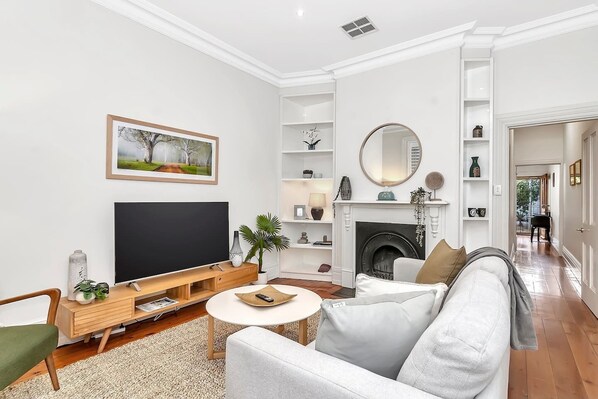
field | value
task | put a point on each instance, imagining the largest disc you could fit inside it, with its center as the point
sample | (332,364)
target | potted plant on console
(87,290)
(266,237)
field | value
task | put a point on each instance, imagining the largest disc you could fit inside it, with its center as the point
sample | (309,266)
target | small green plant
(89,288)
(266,237)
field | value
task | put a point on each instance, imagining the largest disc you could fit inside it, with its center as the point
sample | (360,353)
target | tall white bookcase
(476,192)
(300,113)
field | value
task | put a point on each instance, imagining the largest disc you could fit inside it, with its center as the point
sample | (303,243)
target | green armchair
(25,346)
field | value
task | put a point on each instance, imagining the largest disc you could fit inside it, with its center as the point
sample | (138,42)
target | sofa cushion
(23,347)
(375,333)
(366,286)
(457,356)
(443,265)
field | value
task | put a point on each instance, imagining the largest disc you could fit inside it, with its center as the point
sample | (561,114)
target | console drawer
(99,317)
(236,278)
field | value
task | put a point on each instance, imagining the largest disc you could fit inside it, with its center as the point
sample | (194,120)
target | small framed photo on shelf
(300,212)
(572,174)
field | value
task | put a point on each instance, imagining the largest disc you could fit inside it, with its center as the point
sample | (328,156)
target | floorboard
(565,365)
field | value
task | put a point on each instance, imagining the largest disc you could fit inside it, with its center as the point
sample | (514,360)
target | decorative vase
(303,239)
(474,169)
(77,272)
(386,195)
(311,147)
(345,188)
(478,131)
(80,297)
(236,253)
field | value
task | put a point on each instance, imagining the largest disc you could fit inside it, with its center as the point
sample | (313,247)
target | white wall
(532,170)
(538,145)
(572,194)
(530,80)
(422,94)
(65,65)
(557,71)
(554,200)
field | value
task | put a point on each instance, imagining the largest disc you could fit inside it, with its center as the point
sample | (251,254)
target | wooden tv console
(187,287)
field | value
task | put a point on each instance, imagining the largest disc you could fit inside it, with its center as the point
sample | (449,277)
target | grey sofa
(469,340)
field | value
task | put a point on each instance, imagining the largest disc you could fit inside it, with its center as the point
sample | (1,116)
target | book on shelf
(157,304)
(322,243)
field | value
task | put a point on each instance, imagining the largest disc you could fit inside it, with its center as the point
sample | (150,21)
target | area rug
(170,364)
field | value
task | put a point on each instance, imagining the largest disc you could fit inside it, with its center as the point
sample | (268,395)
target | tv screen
(154,238)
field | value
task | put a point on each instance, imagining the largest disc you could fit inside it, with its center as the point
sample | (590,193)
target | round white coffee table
(227,307)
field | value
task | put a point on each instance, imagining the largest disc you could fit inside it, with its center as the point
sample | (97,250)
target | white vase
(77,272)
(80,297)
(236,253)
(262,279)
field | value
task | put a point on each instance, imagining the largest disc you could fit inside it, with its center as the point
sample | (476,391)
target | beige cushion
(442,266)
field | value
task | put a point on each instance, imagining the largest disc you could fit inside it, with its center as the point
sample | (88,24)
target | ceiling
(270,35)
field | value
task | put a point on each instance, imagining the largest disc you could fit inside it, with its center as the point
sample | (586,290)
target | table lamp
(317,201)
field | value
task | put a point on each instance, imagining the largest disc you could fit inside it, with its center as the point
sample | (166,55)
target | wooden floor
(565,366)
(566,362)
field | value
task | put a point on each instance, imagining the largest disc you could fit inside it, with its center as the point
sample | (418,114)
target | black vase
(345,188)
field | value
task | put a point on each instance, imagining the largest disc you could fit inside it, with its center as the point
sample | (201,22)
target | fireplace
(379,244)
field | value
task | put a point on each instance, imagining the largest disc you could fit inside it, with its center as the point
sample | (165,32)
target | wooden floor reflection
(566,362)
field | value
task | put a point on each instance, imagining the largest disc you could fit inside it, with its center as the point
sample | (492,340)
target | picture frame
(300,212)
(572,174)
(138,150)
(577,171)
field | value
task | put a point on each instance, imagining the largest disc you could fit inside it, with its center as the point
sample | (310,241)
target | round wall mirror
(390,154)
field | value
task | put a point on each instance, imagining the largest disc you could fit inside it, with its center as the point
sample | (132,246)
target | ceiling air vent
(359,27)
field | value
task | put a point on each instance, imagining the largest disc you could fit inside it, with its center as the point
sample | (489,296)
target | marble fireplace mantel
(352,211)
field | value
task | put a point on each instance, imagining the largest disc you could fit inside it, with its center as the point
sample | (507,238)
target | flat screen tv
(154,238)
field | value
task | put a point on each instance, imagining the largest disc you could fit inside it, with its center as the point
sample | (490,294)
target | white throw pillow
(376,333)
(366,286)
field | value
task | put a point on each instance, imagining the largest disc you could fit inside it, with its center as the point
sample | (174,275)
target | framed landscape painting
(139,150)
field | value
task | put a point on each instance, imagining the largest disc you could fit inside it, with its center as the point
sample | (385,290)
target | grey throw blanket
(523,334)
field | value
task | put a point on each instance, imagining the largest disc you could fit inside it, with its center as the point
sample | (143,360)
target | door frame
(503,163)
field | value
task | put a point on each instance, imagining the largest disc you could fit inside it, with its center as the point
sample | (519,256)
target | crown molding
(435,42)
(305,78)
(543,28)
(466,35)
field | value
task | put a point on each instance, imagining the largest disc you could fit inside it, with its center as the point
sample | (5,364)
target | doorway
(527,201)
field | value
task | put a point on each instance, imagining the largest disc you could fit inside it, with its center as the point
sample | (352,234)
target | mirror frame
(365,142)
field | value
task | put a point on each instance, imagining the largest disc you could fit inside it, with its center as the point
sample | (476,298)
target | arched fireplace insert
(379,244)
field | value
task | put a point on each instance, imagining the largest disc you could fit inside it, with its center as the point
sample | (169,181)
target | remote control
(264,298)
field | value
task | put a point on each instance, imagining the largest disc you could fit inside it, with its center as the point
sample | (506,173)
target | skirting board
(570,259)
(307,276)
(114,331)
(556,245)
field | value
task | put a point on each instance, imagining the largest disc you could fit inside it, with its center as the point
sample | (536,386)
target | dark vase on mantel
(345,188)
(474,169)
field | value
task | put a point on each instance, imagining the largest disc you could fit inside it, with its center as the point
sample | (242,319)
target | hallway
(566,363)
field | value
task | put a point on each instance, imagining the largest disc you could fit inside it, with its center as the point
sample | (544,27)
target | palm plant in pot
(266,237)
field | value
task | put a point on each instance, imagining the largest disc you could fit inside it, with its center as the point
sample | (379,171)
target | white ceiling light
(300,12)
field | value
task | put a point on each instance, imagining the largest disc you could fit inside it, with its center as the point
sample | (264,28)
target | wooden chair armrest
(53,293)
